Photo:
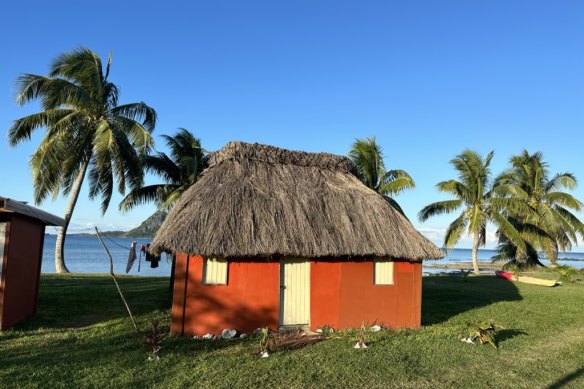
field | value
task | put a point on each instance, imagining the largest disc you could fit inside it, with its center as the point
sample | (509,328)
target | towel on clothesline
(131,256)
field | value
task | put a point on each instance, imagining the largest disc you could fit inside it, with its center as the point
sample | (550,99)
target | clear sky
(427,78)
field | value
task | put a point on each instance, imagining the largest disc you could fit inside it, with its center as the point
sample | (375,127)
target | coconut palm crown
(367,156)
(182,169)
(550,224)
(86,133)
(473,196)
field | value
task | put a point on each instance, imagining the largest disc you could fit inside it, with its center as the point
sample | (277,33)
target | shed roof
(12,206)
(259,201)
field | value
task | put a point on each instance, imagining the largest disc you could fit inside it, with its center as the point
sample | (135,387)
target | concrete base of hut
(342,295)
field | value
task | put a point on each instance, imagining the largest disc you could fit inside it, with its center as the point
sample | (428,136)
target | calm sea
(85,255)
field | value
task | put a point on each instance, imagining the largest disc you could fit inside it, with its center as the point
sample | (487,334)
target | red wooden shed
(272,237)
(22,234)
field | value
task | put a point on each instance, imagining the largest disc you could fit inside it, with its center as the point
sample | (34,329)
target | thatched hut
(272,237)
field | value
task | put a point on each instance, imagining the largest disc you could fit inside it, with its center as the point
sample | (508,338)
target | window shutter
(215,271)
(383,272)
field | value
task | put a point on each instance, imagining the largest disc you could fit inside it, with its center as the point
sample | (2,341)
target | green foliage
(85,128)
(474,198)
(545,219)
(566,273)
(179,170)
(367,156)
(484,332)
(264,340)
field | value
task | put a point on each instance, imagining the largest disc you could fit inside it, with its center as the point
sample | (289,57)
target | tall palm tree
(182,169)
(87,133)
(549,225)
(472,195)
(367,156)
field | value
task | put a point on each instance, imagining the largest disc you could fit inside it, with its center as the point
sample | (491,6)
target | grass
(82,337)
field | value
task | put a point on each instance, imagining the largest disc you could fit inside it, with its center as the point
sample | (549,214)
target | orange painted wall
(342,296)
(21,271)
(248,301)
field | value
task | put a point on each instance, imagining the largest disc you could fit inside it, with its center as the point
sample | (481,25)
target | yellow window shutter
(383,272)
(215,271)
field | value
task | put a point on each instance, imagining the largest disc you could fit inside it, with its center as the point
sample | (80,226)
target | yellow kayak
(526,279)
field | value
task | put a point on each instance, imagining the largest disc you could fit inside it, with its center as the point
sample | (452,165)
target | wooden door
(294,292)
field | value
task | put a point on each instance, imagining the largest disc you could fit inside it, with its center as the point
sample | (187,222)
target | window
(383,272)
(215,271)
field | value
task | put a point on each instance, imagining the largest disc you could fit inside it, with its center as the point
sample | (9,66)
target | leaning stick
(116,281)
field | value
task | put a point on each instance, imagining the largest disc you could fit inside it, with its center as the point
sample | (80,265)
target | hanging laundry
(153,259)
(131,256)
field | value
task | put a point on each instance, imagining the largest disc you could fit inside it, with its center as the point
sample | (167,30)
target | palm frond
(438,208)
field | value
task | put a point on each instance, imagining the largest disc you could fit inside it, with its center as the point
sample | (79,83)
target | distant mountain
(148,227)
(145,230)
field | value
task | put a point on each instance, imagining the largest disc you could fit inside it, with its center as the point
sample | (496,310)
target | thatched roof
(257,201)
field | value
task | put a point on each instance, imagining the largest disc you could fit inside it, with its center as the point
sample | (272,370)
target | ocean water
(86,255)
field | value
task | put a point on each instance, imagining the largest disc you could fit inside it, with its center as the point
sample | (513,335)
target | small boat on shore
(525,279)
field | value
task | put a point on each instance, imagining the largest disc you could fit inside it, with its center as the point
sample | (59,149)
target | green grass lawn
(81,337)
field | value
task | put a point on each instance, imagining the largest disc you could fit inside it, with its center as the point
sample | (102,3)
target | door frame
(282,288)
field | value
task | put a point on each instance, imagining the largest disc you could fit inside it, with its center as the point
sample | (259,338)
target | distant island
(146,229)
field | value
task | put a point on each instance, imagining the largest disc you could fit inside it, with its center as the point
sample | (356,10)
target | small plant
(153,340)
(515,270)
(483,332)
(264,342)
(566,273)
(361,341)
(326,331)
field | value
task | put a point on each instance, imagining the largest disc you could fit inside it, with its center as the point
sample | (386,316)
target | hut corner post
(116,281)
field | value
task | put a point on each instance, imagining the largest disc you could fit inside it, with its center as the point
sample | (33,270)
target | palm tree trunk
(475,253)
(60,266)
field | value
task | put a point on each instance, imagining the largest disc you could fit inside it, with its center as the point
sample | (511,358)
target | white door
(294,292)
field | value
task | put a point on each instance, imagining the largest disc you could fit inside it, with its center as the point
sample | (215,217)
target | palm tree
(549,225)
(87,133)
(182,169)
(472,194)
(367,156)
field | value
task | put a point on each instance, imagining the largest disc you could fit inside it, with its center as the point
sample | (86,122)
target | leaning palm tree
(550,225)
(87,134)
(472,195)
(367,156)
(182,169)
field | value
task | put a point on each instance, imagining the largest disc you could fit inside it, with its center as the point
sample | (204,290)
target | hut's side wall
(343,295)
(22,270)
(248,301)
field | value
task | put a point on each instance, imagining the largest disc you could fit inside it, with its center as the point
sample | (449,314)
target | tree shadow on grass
(509,333)
(567,379)
(446,296)
(77,301)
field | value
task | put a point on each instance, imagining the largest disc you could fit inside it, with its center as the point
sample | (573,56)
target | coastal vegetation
(82,337)
(473,194)
(532,212)
(367,156)
(87,133)
(179,170)
(546,223)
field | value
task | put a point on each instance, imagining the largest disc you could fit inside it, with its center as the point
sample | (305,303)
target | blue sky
(427,78)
